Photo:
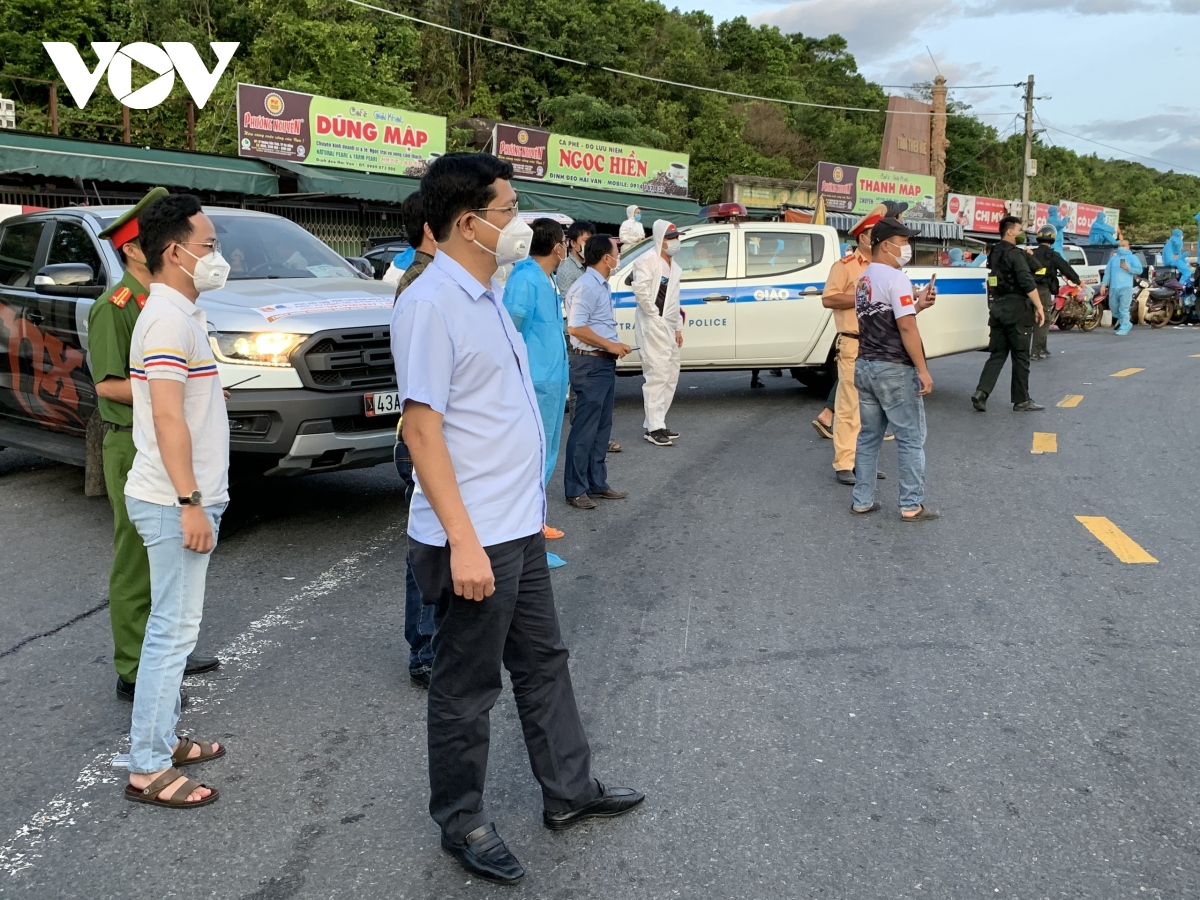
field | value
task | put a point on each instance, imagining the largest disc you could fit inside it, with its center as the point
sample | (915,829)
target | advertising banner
(585,162)
(1085,216)
(975,213)
(984,213)
(855,190)
(321,131)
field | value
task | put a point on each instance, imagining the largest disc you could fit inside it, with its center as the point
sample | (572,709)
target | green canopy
(22,152)
(355,185)
(602,206)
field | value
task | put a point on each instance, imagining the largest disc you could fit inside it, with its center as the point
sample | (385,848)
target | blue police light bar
(717,211)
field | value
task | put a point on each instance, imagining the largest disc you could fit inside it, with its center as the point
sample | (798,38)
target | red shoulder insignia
(141,301)
(121,296)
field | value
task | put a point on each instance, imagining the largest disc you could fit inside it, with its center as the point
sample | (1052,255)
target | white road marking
(242,655)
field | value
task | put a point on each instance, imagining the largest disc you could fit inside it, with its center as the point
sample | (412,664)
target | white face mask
(210,272)
(513,244)
(671,247)
(905,255)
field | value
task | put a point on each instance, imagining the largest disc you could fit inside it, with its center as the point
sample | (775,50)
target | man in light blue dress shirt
(472,426)
(595,350)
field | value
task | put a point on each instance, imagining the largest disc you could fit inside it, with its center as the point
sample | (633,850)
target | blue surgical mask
(637,217)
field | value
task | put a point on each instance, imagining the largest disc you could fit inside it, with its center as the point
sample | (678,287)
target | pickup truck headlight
(268,348)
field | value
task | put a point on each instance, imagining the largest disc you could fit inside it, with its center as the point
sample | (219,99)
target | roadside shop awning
(944,230)
(58,157)
(354,185)
(602,206)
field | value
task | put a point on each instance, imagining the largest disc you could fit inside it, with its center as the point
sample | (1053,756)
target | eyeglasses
(213,246)
(513,210)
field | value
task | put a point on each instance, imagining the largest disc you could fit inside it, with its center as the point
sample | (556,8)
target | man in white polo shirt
(177,488)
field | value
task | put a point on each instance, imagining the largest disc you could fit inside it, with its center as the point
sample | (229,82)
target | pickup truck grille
(350,359)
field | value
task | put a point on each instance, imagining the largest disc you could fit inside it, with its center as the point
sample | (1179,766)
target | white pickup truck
(751,297)
(299,335)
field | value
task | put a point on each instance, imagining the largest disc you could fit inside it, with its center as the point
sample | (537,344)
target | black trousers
(1012,325)
(585,468)
(516,626)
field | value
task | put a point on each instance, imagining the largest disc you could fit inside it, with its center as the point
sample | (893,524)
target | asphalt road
(818,705)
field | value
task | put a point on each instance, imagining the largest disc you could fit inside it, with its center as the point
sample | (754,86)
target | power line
(1080,137)
(952,87)
(575,62)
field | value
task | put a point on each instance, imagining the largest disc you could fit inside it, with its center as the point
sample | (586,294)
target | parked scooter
(1185,311)
(1077,305)
(1161,302)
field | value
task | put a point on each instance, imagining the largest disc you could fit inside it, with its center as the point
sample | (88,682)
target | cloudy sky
(1115,72)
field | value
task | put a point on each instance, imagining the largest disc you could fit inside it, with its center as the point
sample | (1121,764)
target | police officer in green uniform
(1047,264)
(1015,309)
(110,329)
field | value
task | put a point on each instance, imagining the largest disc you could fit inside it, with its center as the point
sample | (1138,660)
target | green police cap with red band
(125,228)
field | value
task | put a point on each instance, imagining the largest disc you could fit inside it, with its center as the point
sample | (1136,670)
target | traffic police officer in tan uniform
(110,329)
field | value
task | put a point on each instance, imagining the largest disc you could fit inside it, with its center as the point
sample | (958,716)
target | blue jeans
(594,380)
(418,622)
(176,605)
(888,395)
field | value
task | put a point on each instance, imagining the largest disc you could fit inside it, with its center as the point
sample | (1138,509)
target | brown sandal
(149,794)
(180,756)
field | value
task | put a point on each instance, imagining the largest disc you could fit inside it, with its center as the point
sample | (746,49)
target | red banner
(975,213)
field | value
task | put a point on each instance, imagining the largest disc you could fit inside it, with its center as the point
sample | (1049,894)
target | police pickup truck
(300,338)
(751,297)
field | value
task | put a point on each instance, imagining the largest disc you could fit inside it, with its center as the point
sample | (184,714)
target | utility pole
(1026,210)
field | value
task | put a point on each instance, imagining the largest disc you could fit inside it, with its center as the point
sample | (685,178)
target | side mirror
(362,265)
(629,280)
(67,280)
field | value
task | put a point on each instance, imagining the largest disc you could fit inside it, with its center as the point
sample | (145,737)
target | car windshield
(269,247)
(260,247)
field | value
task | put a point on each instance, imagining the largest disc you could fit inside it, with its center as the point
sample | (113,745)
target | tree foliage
(335,48)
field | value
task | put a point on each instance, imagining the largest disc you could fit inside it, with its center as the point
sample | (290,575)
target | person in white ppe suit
(659,328)
(632,229)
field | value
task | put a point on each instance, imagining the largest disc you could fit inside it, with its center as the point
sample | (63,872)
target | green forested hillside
(335,48)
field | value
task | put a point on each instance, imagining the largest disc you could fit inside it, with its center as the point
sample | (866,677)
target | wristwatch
(192,499)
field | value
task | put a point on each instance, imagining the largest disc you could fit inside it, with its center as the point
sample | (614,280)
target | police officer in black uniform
(1047,264)
(1015,309)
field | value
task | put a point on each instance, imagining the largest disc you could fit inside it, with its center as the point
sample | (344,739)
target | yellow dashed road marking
(1070,400)
(1125,372)
(1196,356)
(1044,442)
(1122,545)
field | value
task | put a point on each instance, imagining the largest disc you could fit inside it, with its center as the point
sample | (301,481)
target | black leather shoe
(845,476)
(979,401)
(197,664)
(420,675)
(611,802)
(482,853)
(125,691)
(1028,406)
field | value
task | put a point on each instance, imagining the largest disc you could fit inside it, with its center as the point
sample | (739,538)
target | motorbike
(1161,302)
(1185,312)
(1077,305)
